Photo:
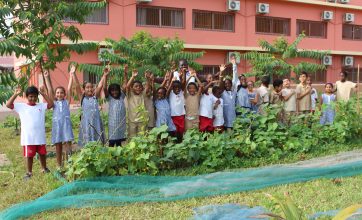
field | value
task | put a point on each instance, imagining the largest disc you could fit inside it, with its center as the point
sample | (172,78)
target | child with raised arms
(192,101)
(91,126)
(115,95)
(62,131)
(136,99)
(162,105)
(32,118)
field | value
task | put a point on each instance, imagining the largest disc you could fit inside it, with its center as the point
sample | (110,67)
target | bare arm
(49,84)
(301,95)
(49,100)
(105,85)
(77,85)
(129,83)
(101,83)
(287,97)
(10,102)
(169,87)
(125,78)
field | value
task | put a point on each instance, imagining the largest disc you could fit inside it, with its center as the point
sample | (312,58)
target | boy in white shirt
(218,112)
(32,118)
(207,102)
(177,106)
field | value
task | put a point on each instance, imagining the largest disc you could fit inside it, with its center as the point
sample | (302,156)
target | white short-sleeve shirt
(219,113)
(344,90)
(177,104)
(207,105)
(32,123)
(188,75)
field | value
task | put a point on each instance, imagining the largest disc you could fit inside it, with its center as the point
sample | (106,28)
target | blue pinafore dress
(91,126)
(61,124)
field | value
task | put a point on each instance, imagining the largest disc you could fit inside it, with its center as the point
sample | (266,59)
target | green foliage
(143,52)
(275,58)
(254,137)
(31,29)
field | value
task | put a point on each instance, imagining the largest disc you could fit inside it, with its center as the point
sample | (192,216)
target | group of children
(181,102)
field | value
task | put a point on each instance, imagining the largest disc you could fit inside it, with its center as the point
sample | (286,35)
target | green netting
(122,190)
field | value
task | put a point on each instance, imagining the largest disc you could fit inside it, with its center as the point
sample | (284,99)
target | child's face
(309,81)
(286,83)
(302,78)
(243,80)
(192,89)
(59,94)
(209,78)
(115,93)
(176,89)
(137,88)
(277,89)
(250,85)
(161,94)
(88,89)
(218,93)
(328,88)
(32,98)
(183,65)
(228,85)
(342,77)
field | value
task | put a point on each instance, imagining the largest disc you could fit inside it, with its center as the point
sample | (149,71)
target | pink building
(217,28)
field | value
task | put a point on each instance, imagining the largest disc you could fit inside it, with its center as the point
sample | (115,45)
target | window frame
(212,21)
(352,73)
(353,36)
(160,8)
(309,27)
(96,23)
(272,18)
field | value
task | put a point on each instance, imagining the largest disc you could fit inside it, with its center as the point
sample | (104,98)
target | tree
(143,52)
(276,57)
(34,30)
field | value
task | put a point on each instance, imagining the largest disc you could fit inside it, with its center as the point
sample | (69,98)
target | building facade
(209,25)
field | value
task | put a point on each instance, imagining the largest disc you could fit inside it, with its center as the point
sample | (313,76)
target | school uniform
(207,102)
(229,111)
(177,104)
(192,107)
(218,114)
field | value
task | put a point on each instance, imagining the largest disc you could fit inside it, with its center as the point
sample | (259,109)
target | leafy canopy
(276,57)
(143,52)
(30,29)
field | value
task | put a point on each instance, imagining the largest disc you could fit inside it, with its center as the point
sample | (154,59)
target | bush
(256,136)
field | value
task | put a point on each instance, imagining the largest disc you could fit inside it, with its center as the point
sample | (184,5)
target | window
(207,20)
(214,69)
(319,77)
(352,73)
(352,32)
(272,25)
(98,16)
(160,17)
(91,77)
(312,28)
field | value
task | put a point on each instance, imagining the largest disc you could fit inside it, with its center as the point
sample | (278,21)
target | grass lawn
(313,196)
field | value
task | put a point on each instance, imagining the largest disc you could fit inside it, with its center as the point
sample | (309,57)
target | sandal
(46,170)
(27,176)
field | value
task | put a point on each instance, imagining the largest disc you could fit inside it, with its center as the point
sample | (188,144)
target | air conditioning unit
(344,1)
(233,5)
(327,15)
(144,1)
(262,8)
(104,50)
(333,1)
(348,61)
(327,60)
(231,54)
(348,17)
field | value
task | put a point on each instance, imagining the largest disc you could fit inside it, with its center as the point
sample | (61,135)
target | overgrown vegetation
(255,137)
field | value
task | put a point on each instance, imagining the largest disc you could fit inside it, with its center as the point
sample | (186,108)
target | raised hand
(42,89)
(72,69)
(106,70)
(193,73)
(18,90)
(134,73)
(222,67)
